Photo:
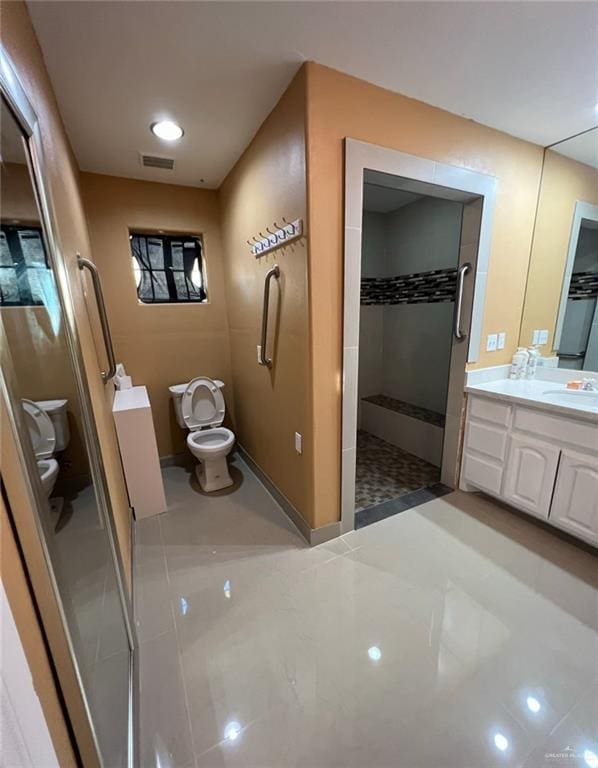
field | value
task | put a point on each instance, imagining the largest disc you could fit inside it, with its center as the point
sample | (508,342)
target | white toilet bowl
(48,472)
(211,447)
(199,406)
(47,424)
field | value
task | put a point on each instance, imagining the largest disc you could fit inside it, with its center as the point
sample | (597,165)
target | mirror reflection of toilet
(199,407)
(48,427)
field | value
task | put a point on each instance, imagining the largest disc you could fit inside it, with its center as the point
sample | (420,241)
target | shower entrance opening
(412,268)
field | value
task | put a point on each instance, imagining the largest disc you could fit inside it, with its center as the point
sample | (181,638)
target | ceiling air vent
(153,161)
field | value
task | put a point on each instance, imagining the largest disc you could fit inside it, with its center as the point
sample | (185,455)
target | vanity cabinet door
(530,474)
(575,503)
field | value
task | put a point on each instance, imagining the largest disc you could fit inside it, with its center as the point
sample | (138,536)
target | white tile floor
(455,634)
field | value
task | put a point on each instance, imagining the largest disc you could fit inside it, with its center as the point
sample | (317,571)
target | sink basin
(578,398)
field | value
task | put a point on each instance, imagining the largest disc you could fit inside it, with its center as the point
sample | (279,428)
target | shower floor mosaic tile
(385,472)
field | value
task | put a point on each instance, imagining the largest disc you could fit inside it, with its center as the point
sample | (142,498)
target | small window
(168,269)
(24,269)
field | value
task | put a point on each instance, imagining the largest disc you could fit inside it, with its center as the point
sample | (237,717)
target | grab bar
(97,289)
(461,272)
(274,272)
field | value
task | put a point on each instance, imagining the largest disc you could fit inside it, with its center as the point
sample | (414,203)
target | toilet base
(213,475)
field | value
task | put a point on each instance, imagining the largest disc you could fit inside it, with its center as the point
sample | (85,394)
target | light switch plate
(502,337)
(491,342)
(298,443)
(543,337)
(536,337)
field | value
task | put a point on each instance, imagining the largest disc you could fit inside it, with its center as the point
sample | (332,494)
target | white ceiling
(217,68)
(583,148)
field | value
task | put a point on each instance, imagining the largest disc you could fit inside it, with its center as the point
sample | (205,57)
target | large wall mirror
(45,397)
(561,303)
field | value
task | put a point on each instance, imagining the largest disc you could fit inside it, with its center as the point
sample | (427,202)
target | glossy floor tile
(454,634)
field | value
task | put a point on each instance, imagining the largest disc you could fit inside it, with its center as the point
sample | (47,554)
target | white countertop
(537,393)
(130,399)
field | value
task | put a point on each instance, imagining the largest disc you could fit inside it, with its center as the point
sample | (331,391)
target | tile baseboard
(313,536)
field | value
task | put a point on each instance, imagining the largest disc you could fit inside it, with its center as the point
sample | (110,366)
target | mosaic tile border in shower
(583,285)
(433,287)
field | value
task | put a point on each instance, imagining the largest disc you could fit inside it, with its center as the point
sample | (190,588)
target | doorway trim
(359,157)
(582,211)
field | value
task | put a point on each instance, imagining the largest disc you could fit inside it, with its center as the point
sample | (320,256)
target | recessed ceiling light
(167,130)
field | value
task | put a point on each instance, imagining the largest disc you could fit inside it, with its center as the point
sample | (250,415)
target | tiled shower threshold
(391,507)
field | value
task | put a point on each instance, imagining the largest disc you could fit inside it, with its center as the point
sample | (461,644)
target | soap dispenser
(519,363)
(532,362)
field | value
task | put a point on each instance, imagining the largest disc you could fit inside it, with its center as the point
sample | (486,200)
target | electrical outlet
(543,337)
(259,353)
(536,337)
(491,342)
(298,443)
(502,337)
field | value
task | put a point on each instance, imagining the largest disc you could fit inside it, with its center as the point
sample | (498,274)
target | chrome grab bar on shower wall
(97,289)
(264,359)
(461,272)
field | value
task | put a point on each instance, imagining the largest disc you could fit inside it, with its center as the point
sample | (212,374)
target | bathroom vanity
(534,445)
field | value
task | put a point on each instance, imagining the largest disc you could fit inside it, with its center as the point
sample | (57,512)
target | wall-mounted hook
(281,232)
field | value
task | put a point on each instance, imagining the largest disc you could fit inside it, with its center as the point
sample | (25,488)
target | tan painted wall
(564,182)
(167,343)
(18,202)
(341,106)
(267,183)
(62,176)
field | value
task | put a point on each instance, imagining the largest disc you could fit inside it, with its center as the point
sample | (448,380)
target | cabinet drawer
(562,429)
(484,473)
(487,439)
(489,410)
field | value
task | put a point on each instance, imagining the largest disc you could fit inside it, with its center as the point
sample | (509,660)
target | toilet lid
(41,430)
(202,404)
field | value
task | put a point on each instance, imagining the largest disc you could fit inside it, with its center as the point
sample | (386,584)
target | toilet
(199,407)
(48,427)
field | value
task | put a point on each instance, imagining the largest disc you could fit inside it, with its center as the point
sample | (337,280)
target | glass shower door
(44,398)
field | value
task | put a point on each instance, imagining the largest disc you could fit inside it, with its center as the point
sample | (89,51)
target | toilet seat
(210,441)
(202,404)
(41,430)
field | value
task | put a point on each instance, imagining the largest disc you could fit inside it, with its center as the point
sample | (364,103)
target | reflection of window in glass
(23,266)
(168,268)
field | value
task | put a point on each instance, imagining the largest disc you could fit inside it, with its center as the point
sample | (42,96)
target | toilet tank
(176,392)
(56,410)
